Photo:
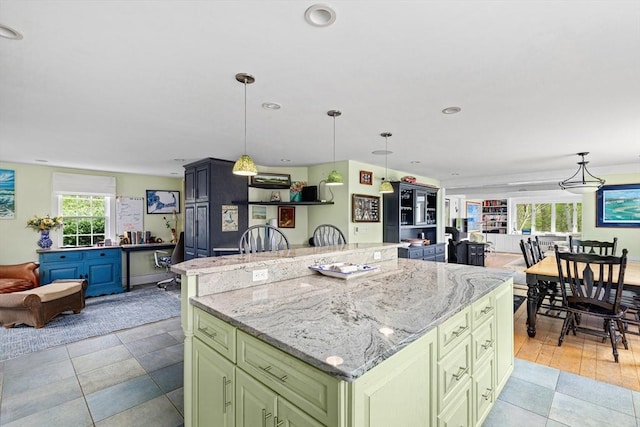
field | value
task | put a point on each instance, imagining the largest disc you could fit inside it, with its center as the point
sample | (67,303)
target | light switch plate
(260,275)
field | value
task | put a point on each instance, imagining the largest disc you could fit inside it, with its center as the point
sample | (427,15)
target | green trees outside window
(549,217)
(84,220)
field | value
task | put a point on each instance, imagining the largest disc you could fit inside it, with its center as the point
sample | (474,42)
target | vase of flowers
(44,224)
(295,191)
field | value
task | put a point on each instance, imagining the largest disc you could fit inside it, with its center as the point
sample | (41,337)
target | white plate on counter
(343,270)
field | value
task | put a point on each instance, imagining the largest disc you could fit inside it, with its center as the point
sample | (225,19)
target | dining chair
(328,235)
(592,285)
(593,246)
(536,249)
(262,238)
(549,298)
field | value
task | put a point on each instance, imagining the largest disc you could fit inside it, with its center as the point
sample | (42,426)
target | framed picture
(270,180)
(366,177)
(7,194)
(618,206)
(365,208)
(163,202)
(474,215)
(286,216)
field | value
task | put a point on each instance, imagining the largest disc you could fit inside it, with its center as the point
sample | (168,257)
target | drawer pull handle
(225,383)
(279,422)
(63,256)
(205,331)
(459,331)
(265,416)
(487,395)
(487,344)
(267,369)
(463,370)
(486,310)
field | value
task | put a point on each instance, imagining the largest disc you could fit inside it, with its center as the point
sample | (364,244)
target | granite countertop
(317,317)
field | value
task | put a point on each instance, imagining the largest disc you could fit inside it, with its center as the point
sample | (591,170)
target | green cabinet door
(213,388)
(504,334)
(291,416)
(255,403)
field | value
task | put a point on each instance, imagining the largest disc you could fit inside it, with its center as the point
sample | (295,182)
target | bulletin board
(129,214)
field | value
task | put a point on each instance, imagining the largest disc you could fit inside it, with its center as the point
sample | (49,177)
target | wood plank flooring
(582,354)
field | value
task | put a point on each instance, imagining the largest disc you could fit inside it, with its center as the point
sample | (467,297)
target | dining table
(546,270)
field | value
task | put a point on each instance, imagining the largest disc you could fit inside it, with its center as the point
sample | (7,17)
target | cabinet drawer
(482,309)
(429,250)
(411,252)
(440,249)
(453,331)
(483,341)
(454,372)
(60,257)
(103,254)
(215,333)
(305,386)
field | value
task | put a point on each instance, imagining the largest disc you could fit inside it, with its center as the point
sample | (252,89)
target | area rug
(518,266)
(101,316)
(517,302)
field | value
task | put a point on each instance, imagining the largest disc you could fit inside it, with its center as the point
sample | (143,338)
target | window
(85,219)
(549,217)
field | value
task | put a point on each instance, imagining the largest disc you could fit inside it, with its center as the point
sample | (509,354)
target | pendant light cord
(386,156)
(245,115)
(334,142)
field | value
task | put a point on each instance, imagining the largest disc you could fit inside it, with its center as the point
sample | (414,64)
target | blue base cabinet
(101,267)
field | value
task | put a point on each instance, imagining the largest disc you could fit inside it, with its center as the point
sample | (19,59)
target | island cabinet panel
(504,335)
(399,391)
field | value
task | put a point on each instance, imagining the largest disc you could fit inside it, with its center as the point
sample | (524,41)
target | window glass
(579,217)
(564,217)
(523,220)
(543,217)
(84,219)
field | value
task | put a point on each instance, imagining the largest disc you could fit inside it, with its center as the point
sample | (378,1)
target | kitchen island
(270,342)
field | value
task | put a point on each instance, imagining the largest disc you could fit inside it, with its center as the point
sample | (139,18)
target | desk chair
(262,238)
(595,283)
(163,261)
(328,235)
(593,246)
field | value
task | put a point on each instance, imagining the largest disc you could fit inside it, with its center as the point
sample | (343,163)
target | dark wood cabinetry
(427,253)
(209,185)
(409,212)
(466,252)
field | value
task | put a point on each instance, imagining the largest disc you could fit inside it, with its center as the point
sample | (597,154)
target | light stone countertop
(315,317)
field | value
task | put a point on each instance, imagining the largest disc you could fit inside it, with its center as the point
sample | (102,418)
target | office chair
(163,261)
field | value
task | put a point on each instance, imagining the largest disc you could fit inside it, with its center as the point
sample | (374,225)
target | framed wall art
(163,202)
(7,194)
(286,217)
(270,180)
(474,216)
(365,208)
(366,177)
(618,206)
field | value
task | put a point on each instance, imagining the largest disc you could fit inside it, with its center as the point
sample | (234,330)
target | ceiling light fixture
(451,110)
(334,177)
(385,186)
(582,181)
(9,33)
(320,15)
(244,165)
(271,106)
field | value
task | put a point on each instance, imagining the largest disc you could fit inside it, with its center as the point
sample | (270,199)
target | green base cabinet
(451,376)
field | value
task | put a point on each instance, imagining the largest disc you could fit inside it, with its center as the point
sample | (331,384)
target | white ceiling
(131,86)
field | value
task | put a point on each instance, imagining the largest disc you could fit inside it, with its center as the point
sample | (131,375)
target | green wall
(33,197)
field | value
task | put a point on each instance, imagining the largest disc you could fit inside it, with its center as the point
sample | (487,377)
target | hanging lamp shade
(385,186)
(245,166)
(334,177)
(582,181)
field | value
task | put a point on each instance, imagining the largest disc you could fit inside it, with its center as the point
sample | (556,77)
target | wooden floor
(582,354)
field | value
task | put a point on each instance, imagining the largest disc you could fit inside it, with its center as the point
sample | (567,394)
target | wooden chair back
(527,253)
(328,235)
(262,238)
(593,246)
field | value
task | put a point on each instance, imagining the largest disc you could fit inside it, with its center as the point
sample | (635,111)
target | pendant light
(334,177)
(385,186)
(244,165)
(582,181)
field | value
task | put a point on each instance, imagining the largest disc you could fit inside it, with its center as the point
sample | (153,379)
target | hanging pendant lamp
(385,186)
(582,181)
(244,165)
(334,177)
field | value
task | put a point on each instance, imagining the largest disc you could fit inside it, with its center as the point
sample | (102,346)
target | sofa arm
(25,271)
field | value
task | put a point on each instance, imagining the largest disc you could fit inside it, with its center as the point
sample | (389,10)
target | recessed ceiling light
(178,160)
(320,15)
(9,33)
(454,174)
(381,152)
(173,173)
(452,110)
(414,162)
(271,106)
(285,160)
(42,161)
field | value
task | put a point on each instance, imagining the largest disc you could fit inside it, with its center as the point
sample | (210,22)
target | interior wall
(33,197)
